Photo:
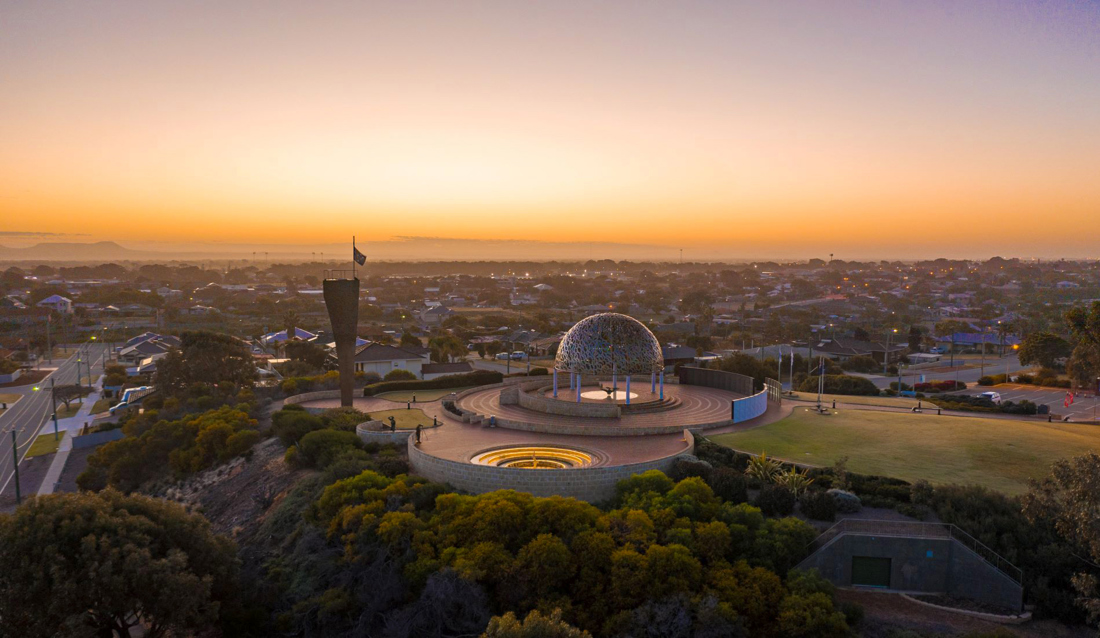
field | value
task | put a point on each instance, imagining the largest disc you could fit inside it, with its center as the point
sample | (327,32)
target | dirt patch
(964,604)
(885,613)
(78,461)
(236,496)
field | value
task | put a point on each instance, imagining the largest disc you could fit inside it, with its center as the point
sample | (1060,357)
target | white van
(992,396)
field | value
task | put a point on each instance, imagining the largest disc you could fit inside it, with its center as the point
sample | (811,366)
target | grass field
(401,396)
(44,444)
(9,399)
(998,453)
(899,402)
(64,413)
(102,405)
(406,419)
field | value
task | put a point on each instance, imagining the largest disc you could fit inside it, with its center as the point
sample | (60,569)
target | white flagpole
(353,256)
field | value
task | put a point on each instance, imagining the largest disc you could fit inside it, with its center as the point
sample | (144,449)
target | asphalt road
(30,413)
(1085,406)
(970,376)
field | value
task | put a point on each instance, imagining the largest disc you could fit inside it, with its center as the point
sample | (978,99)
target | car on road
(937,350)
(992,396)
(502,355)
(518,354)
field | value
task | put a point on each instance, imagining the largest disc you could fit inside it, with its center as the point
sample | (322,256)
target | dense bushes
(155,448)
(818,505)
(861,364)
(400,374)
(293,422)
(967,403)
(775,500)
(321,448)
(477,377)
(949,385)
(400,554)
(841,384)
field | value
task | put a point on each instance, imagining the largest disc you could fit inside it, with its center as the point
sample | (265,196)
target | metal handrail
(915,529)
(345,273)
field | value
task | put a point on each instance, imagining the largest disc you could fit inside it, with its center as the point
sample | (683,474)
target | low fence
(750,407)
(96,438)
(719,379)
(775,391)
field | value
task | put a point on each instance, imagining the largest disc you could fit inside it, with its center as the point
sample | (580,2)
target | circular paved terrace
(697,406)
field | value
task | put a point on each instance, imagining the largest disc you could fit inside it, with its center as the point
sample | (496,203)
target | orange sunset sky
(892,129)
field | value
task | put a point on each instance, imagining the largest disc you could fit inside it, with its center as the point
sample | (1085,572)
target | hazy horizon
(736,131)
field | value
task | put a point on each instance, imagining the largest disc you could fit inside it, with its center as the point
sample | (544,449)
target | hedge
(841,384)
(477,377)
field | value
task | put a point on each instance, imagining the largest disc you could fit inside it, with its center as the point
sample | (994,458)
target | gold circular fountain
(540,457)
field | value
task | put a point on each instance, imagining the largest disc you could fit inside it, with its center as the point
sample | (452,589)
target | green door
(871,572)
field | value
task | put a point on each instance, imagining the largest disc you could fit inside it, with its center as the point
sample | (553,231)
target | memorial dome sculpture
(609,343)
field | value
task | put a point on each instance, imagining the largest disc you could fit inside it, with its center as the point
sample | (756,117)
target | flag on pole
(359,257)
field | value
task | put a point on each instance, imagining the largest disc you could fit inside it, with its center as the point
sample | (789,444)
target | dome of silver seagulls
(609,343)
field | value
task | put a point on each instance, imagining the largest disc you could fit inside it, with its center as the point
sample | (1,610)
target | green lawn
(8,398)
(44,444)
(64,413)
(102,405)
(401,396)
(406,419)
(899,402)
(998,453)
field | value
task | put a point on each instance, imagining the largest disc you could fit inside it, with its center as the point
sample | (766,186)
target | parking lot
(1086,407)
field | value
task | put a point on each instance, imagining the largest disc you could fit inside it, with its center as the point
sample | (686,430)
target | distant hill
(72,251)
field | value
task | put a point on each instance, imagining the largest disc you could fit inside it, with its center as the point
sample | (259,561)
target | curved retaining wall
(540,403)
(593,484)
(750,407)
(372,432)
(312,396)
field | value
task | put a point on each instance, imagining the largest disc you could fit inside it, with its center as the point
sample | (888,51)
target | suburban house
(276,338)
(57,303)
(382,359)
(842,349)
(146,346)
(430,371)
(435,315)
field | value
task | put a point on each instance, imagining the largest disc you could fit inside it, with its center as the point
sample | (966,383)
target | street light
(886,355)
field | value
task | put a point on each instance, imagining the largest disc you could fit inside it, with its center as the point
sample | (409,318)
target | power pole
(53,403)
(15,462)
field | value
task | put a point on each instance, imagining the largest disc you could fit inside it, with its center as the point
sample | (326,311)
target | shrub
(940,386)
(846,502)
(477,377)
(686,466)
(861,364)
(291,425)
(986,380)
(818,506)
(321,447)
(775,500)
(729,485)
(853,612)
(841,384)
(399,374)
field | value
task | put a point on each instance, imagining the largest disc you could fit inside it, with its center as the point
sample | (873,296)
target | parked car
(502,355)
(992,396)
(518,354)
(937,350)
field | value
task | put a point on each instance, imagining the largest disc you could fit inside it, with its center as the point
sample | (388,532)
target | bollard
(834,404)
(414,398)
(939,411)
(408,405)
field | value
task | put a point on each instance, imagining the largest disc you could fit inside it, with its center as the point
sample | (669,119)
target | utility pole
(15,462)
(49,347)
(53,403)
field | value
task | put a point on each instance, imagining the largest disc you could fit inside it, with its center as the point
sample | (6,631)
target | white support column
(662,385)
(555,383)
(628,389)
(578,387)
(614,377)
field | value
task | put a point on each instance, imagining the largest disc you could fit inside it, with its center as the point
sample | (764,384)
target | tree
(206,359)
(66,393)
(1084,325)
(409,339)
(446,348)
(915,337)
(1044,349)
(92,564)
(860,334)
(535,625)
(1069,498)
(307,352)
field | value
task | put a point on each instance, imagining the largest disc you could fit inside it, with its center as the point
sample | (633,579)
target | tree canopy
(207,360)
(98,564)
